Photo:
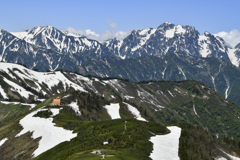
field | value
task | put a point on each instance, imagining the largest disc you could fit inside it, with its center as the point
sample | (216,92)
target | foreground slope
(94,128)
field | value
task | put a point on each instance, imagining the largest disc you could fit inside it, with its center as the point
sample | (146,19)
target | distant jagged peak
(206,33)
(3,30)
(41,29)
(237,46)
(171,29)
(166,26)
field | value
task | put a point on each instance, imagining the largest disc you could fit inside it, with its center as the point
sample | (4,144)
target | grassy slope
(131,143)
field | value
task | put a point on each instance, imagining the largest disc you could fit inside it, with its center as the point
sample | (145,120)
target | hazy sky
(103,18)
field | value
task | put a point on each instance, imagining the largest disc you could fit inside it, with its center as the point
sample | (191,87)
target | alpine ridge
(218,73)
(64,50)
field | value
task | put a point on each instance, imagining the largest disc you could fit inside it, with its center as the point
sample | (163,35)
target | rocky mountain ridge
(220,74)
(64,50)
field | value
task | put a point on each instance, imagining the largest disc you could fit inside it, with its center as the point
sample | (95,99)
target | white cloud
(112,24)
(88,33)
(232,38)
(107,34)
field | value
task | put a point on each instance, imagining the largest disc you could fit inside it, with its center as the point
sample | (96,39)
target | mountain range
(47,48)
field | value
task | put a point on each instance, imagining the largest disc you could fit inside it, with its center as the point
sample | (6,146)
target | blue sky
(99,16)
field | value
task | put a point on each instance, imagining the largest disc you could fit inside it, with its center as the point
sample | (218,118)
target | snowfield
(165,147)
(135,112)
(113,110)
(44,127)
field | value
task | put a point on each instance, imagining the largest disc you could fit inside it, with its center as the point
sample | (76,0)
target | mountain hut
(57,101)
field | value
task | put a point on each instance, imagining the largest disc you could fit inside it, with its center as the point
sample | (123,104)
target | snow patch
(232,56)
(40,100)
(180,69)
(166,146)
(135,112)
(66,96)
(179,29)
(75,107)
(195,110)
(113,96)
(129,97)
(170,93)
(3,93)
(228,86)
(202,41)
(170,33)
(3,141)
(163,72)
(113,110)
(104,143)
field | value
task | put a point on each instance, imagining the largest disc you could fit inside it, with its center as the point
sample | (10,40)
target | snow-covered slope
(45,83)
